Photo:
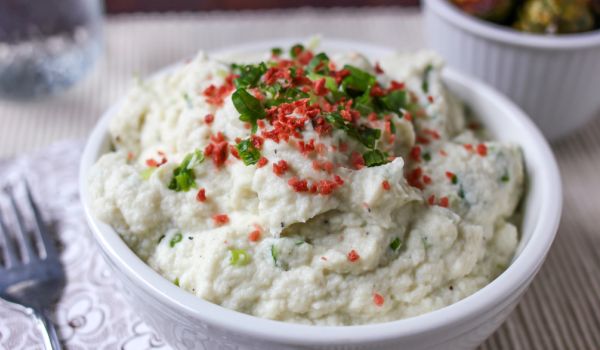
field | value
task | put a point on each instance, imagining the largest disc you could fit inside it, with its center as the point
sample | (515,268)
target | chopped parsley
(249,107)
(357,82)
(247,152)
(319,64)
(505,177)
(176,282)
(248,75)
(175,239)
(276,51)
(426,156)
(365,135)
(296,50)
(183,176)
(239,257)
(374,158)
(395,100)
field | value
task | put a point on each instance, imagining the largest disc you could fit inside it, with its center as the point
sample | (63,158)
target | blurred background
(121,6)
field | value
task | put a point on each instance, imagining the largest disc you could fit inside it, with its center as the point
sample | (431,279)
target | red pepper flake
(451,176)
(468,147)
(130,155)
(432,133)
(343,147)
(323,258)
(280,167)
(326,187)
(414,178)
(444,202)
(151,163)
(430,99)
(220,219)
(353,256)
(319,87)
(209,118)
(372,117)
(377,91)
(426,180)
(378,299)
(201,196)
(298,185)
(378,69)
(357,160)
(408,116)
(254,236)
(482,149)
(338,180)
(386,185)
(443,153)
(262,162)
(415,153)
(395,85)
(422,139)
(216,95)
(219,153)
(234,151)
(431,200)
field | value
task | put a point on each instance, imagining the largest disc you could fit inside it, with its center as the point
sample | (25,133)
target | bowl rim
(509,36)
(496,293)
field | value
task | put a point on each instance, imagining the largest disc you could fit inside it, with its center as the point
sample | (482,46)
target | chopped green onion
(247,152)
(239,257)
(426,156)
(274,254)
(176,282)
(461,192)
(176,239)
(374,158)
(454,179)
(183,175)
(505,177)
(146,173)
(188,100)
(396,244)
(425,83)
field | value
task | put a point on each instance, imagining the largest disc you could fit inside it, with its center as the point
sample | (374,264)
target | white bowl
(555,79)
(188,322)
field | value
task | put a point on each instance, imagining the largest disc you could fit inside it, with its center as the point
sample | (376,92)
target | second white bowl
(555,79)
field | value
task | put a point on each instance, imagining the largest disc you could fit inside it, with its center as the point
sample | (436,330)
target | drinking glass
(47,45)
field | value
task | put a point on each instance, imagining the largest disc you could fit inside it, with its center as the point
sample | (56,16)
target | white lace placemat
(89,315)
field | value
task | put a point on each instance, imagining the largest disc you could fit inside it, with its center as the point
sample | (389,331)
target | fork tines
(23,235)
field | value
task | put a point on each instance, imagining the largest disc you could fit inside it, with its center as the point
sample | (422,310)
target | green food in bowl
(555,16)
(537,16)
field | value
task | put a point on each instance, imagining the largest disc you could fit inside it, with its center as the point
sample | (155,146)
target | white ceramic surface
(188,322)
(555,79)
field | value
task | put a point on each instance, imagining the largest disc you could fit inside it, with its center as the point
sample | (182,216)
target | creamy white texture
(301,270)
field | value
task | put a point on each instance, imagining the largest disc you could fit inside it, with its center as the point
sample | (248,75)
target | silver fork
(31,275)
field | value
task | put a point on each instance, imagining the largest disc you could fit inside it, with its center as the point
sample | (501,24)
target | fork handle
(47,330)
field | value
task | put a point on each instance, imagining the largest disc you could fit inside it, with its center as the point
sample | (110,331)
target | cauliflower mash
(310,187)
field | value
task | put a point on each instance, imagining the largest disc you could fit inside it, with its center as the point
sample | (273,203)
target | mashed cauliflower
(311,188)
